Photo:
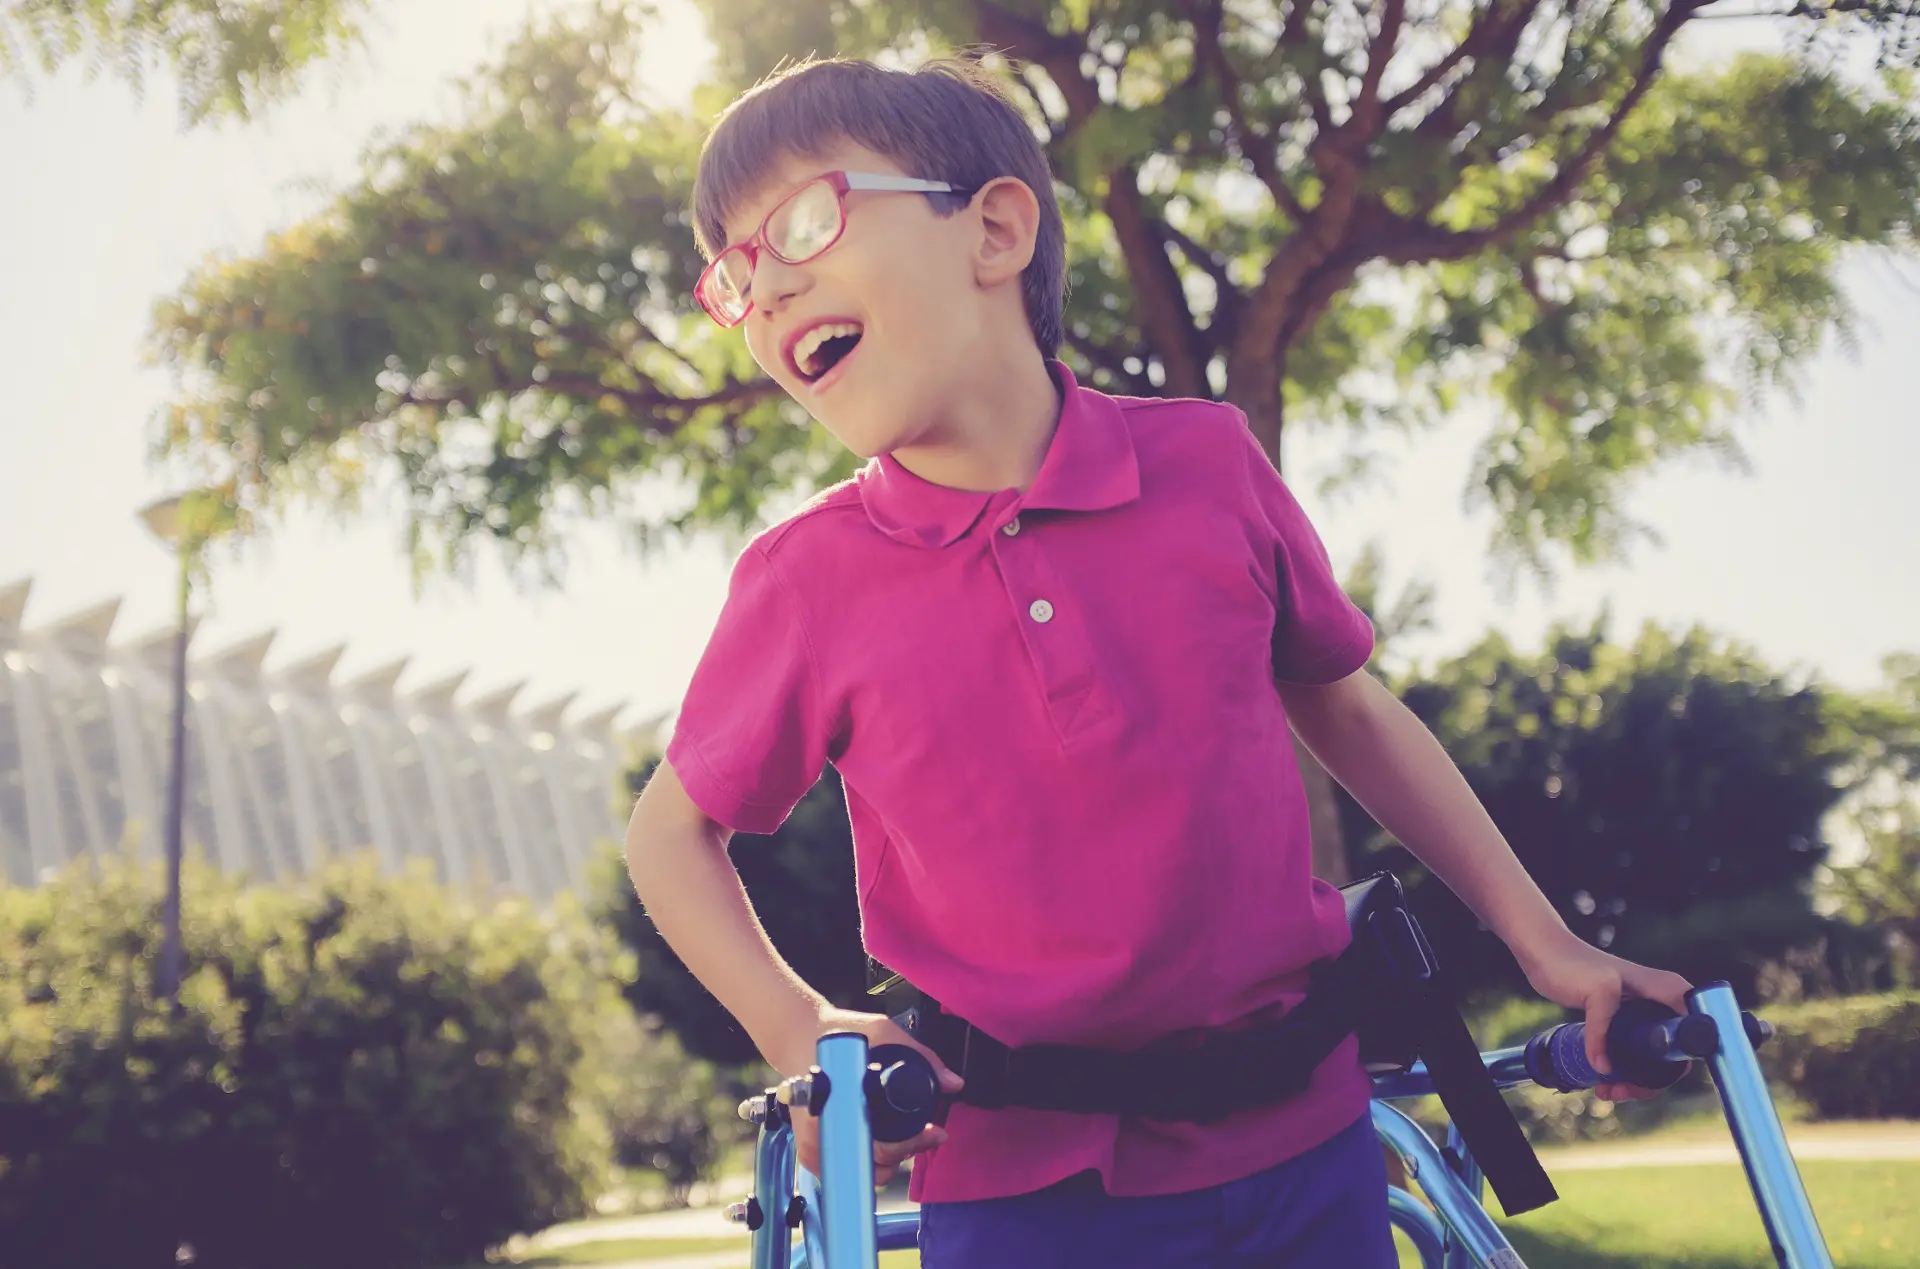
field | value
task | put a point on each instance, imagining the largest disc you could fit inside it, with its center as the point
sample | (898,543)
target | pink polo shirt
(1077,815)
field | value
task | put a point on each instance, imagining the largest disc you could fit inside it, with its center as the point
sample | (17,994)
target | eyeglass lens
(801,227)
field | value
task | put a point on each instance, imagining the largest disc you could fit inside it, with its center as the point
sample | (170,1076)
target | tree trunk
(1256,390)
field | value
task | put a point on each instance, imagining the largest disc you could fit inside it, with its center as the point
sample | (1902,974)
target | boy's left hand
(1581,976)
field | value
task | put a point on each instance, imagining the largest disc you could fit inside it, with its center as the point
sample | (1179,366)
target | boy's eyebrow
(755,195)
(748,199)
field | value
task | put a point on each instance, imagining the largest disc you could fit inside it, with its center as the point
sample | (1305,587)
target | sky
(1812,557)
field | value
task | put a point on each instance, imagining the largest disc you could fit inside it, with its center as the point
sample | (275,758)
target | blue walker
(838,1227)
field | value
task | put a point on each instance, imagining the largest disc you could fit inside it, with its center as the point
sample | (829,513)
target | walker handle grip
(1648,1045)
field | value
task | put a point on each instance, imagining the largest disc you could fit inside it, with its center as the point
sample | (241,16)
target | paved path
(700,1222)
(707,1260)
(1867,1147)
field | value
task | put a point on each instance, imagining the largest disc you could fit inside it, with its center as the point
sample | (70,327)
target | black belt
(1385,986)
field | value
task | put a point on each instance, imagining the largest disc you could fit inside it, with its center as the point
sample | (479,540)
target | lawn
(1649,1218)
(1703,1218)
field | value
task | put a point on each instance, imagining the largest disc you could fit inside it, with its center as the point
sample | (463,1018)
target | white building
(289,766)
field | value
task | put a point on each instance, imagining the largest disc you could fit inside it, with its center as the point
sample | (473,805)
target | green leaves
(1638,783)
(1694,273)
(435,1064)
(1618,257)
(499,315)
(231,59)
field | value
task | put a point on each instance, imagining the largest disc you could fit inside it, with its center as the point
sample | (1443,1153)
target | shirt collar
(1090,466)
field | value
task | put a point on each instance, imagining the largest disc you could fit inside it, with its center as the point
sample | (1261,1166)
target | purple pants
(1327,1207)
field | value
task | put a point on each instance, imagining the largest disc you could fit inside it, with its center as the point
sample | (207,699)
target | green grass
(1703,1218)
(1651,1218)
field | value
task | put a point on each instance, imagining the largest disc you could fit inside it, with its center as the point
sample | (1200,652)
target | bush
(672,1114)
(1501,1022)
(1856,1058)
(1640,784)
(360,1071)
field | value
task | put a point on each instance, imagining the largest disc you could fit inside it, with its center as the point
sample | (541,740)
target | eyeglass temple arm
(897,184)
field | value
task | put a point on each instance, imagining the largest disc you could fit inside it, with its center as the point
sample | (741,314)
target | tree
(1667,796)
(1882,887)
(670,1113)
(1328,215)
(231,57)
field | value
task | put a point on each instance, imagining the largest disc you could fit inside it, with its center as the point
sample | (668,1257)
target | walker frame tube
(1456,1232)
(1778,1193)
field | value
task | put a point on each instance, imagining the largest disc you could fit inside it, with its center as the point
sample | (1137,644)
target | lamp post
(181,522)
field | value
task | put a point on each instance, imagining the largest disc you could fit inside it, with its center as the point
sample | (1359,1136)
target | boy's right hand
(879,1029)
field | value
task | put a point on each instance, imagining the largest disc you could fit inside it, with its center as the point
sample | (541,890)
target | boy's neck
(994,437)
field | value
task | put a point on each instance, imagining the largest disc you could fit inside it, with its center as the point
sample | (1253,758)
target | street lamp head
(191,519)
(163,519)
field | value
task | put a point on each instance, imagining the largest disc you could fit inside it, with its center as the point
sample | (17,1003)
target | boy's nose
(775,282)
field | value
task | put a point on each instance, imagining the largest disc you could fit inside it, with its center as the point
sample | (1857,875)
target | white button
(1011,527)
(1041,611)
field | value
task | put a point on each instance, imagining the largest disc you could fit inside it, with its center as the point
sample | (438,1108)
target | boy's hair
(946,121)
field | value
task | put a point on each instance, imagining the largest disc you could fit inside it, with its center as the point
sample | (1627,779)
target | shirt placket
(1053,626)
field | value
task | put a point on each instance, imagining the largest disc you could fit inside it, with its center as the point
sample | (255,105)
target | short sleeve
(1319,635)
(752,737)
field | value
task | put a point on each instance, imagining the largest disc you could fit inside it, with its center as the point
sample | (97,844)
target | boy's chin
(862,443)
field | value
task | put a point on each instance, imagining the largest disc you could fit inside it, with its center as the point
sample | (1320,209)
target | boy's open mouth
(823,347)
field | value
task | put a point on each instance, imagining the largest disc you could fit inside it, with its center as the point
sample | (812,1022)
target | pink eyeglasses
(801,226)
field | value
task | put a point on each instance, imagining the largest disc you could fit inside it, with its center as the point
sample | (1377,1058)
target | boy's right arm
(677,858)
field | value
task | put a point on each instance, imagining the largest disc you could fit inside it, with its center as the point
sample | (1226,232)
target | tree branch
(1294,34)
(1255,145)
(1806,9)
(1440,69)
(1419,243)
(1529,268)
(1496,37)
(1159,302)
(1111,360)
(1226,312)
(1026,40)
(1316,293)
(1489,29)
(650,406)
(1366,106)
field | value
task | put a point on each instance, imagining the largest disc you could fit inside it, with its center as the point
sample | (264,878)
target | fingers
(1668,988)
(894,1153)
(1602,1004)
(889,1155)
(893,1033)
(950,1083)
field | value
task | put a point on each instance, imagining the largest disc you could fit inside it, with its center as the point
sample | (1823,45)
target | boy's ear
(1010,224)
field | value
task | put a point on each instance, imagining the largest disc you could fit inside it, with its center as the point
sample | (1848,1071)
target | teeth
(809,344)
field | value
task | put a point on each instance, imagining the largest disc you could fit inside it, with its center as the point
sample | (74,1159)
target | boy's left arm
(1385,756)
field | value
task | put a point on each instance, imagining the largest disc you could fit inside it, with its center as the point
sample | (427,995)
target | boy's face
(902,277)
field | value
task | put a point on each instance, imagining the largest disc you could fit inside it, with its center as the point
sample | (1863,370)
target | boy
(1053,642)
